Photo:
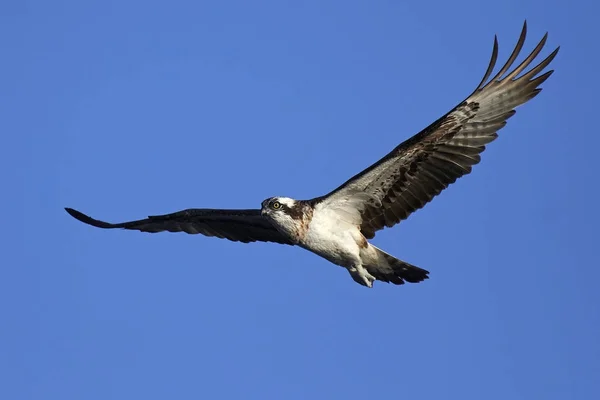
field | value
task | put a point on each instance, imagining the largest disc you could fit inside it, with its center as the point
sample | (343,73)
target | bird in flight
(336,226)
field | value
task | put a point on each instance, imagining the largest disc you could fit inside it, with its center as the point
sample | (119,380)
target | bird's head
(286,214)
(275,207)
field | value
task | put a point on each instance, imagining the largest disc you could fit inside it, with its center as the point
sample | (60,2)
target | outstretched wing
(421,167)
(236,225)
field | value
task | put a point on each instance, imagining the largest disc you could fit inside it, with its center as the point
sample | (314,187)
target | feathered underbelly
(336,241)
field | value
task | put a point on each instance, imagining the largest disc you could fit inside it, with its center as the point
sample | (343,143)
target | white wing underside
(351,205)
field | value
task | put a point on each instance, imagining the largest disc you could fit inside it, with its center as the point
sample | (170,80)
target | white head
(287,215)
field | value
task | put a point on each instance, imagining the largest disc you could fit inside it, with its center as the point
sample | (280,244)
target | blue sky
(126,109)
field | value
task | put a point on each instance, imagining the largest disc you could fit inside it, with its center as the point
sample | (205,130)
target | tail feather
(390,269)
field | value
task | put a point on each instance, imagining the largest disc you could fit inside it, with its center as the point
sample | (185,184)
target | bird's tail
(391,269)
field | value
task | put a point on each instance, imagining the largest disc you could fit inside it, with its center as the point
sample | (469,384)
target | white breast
(333,237)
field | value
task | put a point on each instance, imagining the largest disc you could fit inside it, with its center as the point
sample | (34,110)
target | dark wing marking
(421,167)
(236,225)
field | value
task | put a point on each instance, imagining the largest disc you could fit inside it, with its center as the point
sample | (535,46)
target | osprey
(336,226)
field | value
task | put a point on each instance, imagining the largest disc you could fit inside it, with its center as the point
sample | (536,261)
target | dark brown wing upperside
(419,169)
(236,225)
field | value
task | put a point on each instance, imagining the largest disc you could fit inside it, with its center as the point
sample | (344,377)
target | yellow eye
(276,205)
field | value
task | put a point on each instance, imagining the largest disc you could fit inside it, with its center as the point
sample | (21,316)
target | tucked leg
(361,275)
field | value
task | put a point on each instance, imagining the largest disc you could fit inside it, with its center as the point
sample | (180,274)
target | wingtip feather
(87,219)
